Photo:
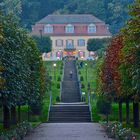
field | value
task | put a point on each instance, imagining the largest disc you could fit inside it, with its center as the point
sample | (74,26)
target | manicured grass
(55,73)
(88,73)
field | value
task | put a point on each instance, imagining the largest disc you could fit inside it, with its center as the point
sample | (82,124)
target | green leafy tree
(22,70)
(132,56)
(96,44)
(44,44)
(11,6)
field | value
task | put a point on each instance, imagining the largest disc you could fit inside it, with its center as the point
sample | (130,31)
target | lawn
(87,75)
(55,74)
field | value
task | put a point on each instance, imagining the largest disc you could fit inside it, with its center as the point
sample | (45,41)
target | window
(69,44)
(48,28)
(92,28)
(69,28)
(81,42)
(59,42)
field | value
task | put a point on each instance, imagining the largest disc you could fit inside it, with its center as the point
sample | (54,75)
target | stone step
(71,104)
(70,100)
(66,120)
(69,108)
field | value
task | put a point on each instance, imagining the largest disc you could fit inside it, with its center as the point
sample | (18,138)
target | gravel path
(68,131)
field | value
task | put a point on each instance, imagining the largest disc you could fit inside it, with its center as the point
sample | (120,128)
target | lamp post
(54,65)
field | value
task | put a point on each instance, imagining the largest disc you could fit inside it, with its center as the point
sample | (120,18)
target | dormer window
(92,28)
(69,28)
(48,28)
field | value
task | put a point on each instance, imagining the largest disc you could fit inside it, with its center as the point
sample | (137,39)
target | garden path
(68,131)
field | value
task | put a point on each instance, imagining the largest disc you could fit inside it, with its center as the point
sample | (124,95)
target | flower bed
(115,130)
(18,133)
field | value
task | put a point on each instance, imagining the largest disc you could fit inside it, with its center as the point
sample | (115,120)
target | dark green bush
(18,133)
(82,86)
(79,72)
(61,72)
(57,99)
(81,78)
(61,67)
(104,106)
(59,79)
(58,85)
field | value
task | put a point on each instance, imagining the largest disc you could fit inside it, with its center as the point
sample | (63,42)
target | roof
(66,19)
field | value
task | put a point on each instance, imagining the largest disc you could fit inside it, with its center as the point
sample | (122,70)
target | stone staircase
(70,113)
(71,109)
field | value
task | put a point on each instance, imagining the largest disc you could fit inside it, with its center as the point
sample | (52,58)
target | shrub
(79,72)
(61,72)
(59,79)
(115,130)
(18,133)
(104,106)
(61,67)
(81,78)
(82,86)
(58,86)
(57,99)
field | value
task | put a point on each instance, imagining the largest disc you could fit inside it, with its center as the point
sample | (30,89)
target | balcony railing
(69,48)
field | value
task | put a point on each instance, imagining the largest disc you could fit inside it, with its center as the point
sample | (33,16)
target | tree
(96,44)
(44,44)
(22,70)
(110,75)
(132,56)
(11,7)
(113,12)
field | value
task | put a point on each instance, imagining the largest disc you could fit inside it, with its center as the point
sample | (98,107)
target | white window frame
(69,28)
(48,28)
(92,28)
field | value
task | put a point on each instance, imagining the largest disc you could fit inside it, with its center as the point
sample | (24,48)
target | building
(70,34)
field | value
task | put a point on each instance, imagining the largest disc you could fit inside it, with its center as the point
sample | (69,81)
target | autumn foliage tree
(109,74)
(120,69)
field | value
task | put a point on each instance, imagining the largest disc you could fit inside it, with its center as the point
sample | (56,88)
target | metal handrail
(50,104)
(62,80)
(89,104)
(79,83)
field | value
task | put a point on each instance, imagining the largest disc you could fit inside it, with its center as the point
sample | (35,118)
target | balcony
(69,48)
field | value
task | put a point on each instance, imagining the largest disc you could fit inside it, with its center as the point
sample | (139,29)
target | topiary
(58,86)
(82,85)
(59,78)
(81,78)
(57,99)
